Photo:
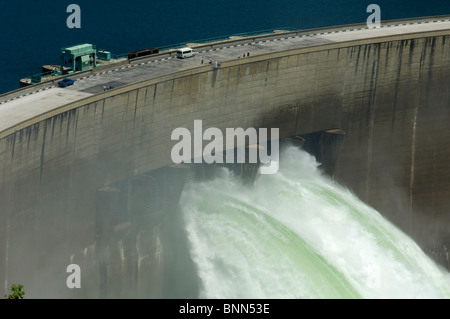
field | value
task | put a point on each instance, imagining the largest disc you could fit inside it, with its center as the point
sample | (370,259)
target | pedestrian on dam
(202,60)
(248,53)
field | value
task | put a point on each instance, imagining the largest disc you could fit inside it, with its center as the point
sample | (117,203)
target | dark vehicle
(65,82)
(137,54)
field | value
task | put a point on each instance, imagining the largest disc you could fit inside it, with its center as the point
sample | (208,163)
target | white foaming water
(298,234)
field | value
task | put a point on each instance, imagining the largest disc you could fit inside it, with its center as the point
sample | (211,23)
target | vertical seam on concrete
(155,87)
(103,110)
(171,92)
(8,213)
(372,96)
(69,115)
(228,83)
(12,151)
(413,158)
(28,139)
(38,208)
(134,119)
(135,106)
(75,133)
(190,89)
(397,83)
(42,153)
(7,223)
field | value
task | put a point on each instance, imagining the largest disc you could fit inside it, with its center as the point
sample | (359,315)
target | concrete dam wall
(70,179)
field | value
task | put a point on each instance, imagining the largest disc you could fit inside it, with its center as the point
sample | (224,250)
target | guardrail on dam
(72,179)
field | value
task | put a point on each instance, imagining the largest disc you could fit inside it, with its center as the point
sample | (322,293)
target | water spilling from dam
(298,234)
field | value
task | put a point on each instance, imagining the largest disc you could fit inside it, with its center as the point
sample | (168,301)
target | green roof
(79,49)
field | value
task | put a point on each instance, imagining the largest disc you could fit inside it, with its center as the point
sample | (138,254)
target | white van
(185,53)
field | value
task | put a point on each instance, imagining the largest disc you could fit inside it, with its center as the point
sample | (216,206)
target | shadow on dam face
(141,248)
(325,147)
(141,245)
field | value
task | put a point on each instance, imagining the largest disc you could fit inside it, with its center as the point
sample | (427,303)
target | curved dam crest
(61,173)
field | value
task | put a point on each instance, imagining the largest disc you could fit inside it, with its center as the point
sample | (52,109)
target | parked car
(185,53)
(65,82)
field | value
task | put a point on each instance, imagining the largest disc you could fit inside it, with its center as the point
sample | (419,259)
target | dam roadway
(388,89)
(23,109)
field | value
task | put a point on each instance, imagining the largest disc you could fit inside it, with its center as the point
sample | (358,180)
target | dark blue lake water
(34,31)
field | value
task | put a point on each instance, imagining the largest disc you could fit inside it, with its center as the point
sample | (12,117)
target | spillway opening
(201,231)
(298,234)
(324,146)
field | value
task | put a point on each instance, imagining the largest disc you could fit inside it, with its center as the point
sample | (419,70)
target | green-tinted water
(297,234)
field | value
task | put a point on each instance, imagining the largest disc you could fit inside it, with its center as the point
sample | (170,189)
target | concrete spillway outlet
(325,146)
